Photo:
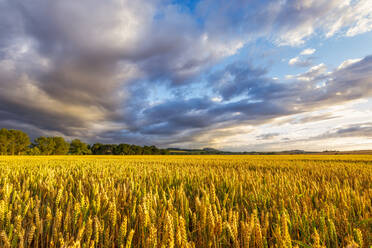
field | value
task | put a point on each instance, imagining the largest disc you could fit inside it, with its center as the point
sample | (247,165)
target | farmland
(186,201)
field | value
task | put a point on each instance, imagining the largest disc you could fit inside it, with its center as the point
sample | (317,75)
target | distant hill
(204,151)
(361,152)
(213,151)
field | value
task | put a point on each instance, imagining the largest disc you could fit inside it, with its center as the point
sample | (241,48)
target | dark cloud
(238,78)
(262,99)
(83,55)
(88,68)
(354,130)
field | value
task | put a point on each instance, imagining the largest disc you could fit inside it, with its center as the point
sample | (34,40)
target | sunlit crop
(186,201)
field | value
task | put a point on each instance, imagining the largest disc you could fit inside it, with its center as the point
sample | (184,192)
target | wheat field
(186,201)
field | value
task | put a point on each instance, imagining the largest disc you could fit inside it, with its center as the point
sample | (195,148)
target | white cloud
(293,61)
(300,61)
(328,17)
(363,25)
(308,51)
(348,62)
(314,73)
(216,99)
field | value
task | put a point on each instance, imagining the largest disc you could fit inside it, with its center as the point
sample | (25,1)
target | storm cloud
(141,71)
(260,100)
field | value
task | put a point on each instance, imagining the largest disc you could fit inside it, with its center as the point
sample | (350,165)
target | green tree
(77,147)
(11,142)
(18,142)
(4,141)
(52,145)
(123,149)
(33,151)
(164,152)
(146,150)
(96,148)
(61,147)
(45,145)
(137,150)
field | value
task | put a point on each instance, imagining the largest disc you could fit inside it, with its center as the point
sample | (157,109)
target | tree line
(16,142)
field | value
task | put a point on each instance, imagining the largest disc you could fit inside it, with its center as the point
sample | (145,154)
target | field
(186,201)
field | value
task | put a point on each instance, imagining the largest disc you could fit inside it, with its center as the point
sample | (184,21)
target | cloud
(93,69)
(315,73)
(348,62)
(313,118)
(304,118)
(66,66)
(308,51)
(285,22)
(293,61)
(236,79)
(353,130)
(248,97)
(360,130)
(329,17)
(300,62)
(267,136)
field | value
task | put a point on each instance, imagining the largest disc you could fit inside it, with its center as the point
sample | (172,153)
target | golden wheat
(186,201)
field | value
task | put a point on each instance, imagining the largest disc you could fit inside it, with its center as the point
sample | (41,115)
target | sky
(237,75)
